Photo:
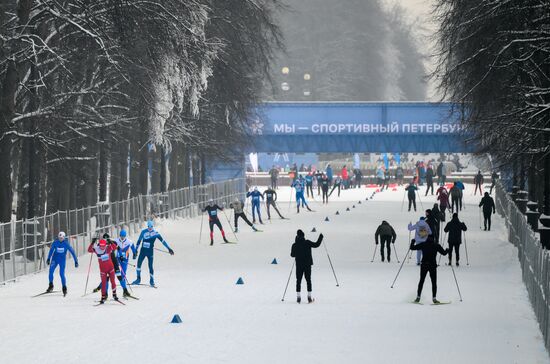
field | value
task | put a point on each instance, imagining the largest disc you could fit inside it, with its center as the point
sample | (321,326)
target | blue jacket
(148,237)
(124,247)
(59,251)
(309,179)
(298,186)
(329,173)
(256,195)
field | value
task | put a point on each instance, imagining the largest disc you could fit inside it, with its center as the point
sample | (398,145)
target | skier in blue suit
(298,185)
(57,256)
(255,197)
(148,237)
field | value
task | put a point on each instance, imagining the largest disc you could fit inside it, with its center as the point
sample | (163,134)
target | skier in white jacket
(421,232)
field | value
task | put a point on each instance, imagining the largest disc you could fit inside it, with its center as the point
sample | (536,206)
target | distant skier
(345,177)
(380,176)
(456,194)
(358,177)
(421,232)
(57,256)
(337,184)
(148,236)
(442,173)
(309,184)
(298,186)
(438,218)
(271,201)
(301,252)
(106,254)
(488,205)
(325,184)
(443,198)
(411,195)
(319,176)
(329,173)
(461,187)
(255,197)
(432,221)
(274,174)
(238,211)
(429,250)
(399,175)
(455,227)
(494,177)
(387,235)
(478,180)
(429,180)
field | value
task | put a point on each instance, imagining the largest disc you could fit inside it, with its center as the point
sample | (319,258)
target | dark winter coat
(385,229)
(488,204)
(433,222)
(301,250)
(455,227)
(429,251)
(411,191)
(478,179)
(455,192)
(430,176)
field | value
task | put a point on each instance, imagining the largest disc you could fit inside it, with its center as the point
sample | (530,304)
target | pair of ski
(433,304)
(45,293)
(99,303)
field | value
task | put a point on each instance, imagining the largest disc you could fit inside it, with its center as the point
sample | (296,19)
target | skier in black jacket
(488,208)
(429,252)
(438,218)
(411,195)
(432,221)
(478,180)
(455,227)
(270,199)
(387,235)
(301,252)
(430,180)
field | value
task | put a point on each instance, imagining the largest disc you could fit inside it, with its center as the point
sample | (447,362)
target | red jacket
(345,175)
(103,256)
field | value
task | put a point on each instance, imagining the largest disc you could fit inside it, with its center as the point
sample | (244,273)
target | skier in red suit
(105,255)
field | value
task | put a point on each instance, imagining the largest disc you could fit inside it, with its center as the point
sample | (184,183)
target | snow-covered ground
(362,321)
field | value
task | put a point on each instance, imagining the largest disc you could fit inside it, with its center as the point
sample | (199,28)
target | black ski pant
(412,201)
(424,270)
(309,188)
(478,185)
(303,270)
(333,188)
(385,240)
(456,247)
(325,195)
(430,187)
(318,188)
(357,182)
(487,220)
(272,203)
(491,188)
(274,183)
(242,216)
(455,201)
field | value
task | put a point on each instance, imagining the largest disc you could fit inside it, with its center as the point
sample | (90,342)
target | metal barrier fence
(24,244)
(534,259)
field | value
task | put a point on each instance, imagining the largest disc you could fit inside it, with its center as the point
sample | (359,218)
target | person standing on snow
(270,201)
(301,252)
(399,175)
(455,227)
(478,180)
(238,211)
(488,205)
(148,237)
(255,196)
(298,186)
(494,177)
(309,184)
(436,213)
(387,235)
(429,180)
(455,198)
(345,177)
(329,173)
(325,184)
(428,250)
(411,195)
(432,221)
(274,174)
(442,173)
(421,232)
(358,177)
(57,256)
(443,198)
(106,254)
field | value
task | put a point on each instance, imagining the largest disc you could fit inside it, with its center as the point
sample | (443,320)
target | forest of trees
(90,87)
(494,59)
(352,50)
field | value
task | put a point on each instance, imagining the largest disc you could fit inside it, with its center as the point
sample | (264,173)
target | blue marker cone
(240,281)
(326,218)
(176,319)
(313,230)
(274,261)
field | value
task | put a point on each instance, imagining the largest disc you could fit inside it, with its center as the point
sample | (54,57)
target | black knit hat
(300,233)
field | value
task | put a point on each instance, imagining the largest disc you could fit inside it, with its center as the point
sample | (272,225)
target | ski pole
(331,266)
(229,222)
(374,253)
(288,281)
(403,202)
(124,275)
(161,250)
(466,248)
(290,199)
(399,271)
(395,250)
(409,255)
(419,199)
(443,243)
(457,287)
(200,233)
(88,276)
(479,214)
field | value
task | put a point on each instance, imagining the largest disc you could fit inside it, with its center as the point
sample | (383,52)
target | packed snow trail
(361,321)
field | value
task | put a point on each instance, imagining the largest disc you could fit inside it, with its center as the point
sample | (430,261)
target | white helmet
(61,236)
(256,188)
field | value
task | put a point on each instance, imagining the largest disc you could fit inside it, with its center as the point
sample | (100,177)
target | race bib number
(61,250)
(104,257)
(146,245)
(213,213)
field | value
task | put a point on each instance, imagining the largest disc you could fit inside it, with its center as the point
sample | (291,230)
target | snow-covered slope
(361,321)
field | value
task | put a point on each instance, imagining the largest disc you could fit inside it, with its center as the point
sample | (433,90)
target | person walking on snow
(442,173)
(411,195)
(270,201)
(325,184)
(421,232)
(255,196)
(488,205)
(478,180)
(494,177)
(337,184)
(57,256)
(443,198)
(238,211)
(455,227)
(298,186)
(429,250)
(106,254)
(431,220)
(301,252)
(148,236)
(455,198)
(387,235)
(120,261)
(429,180)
